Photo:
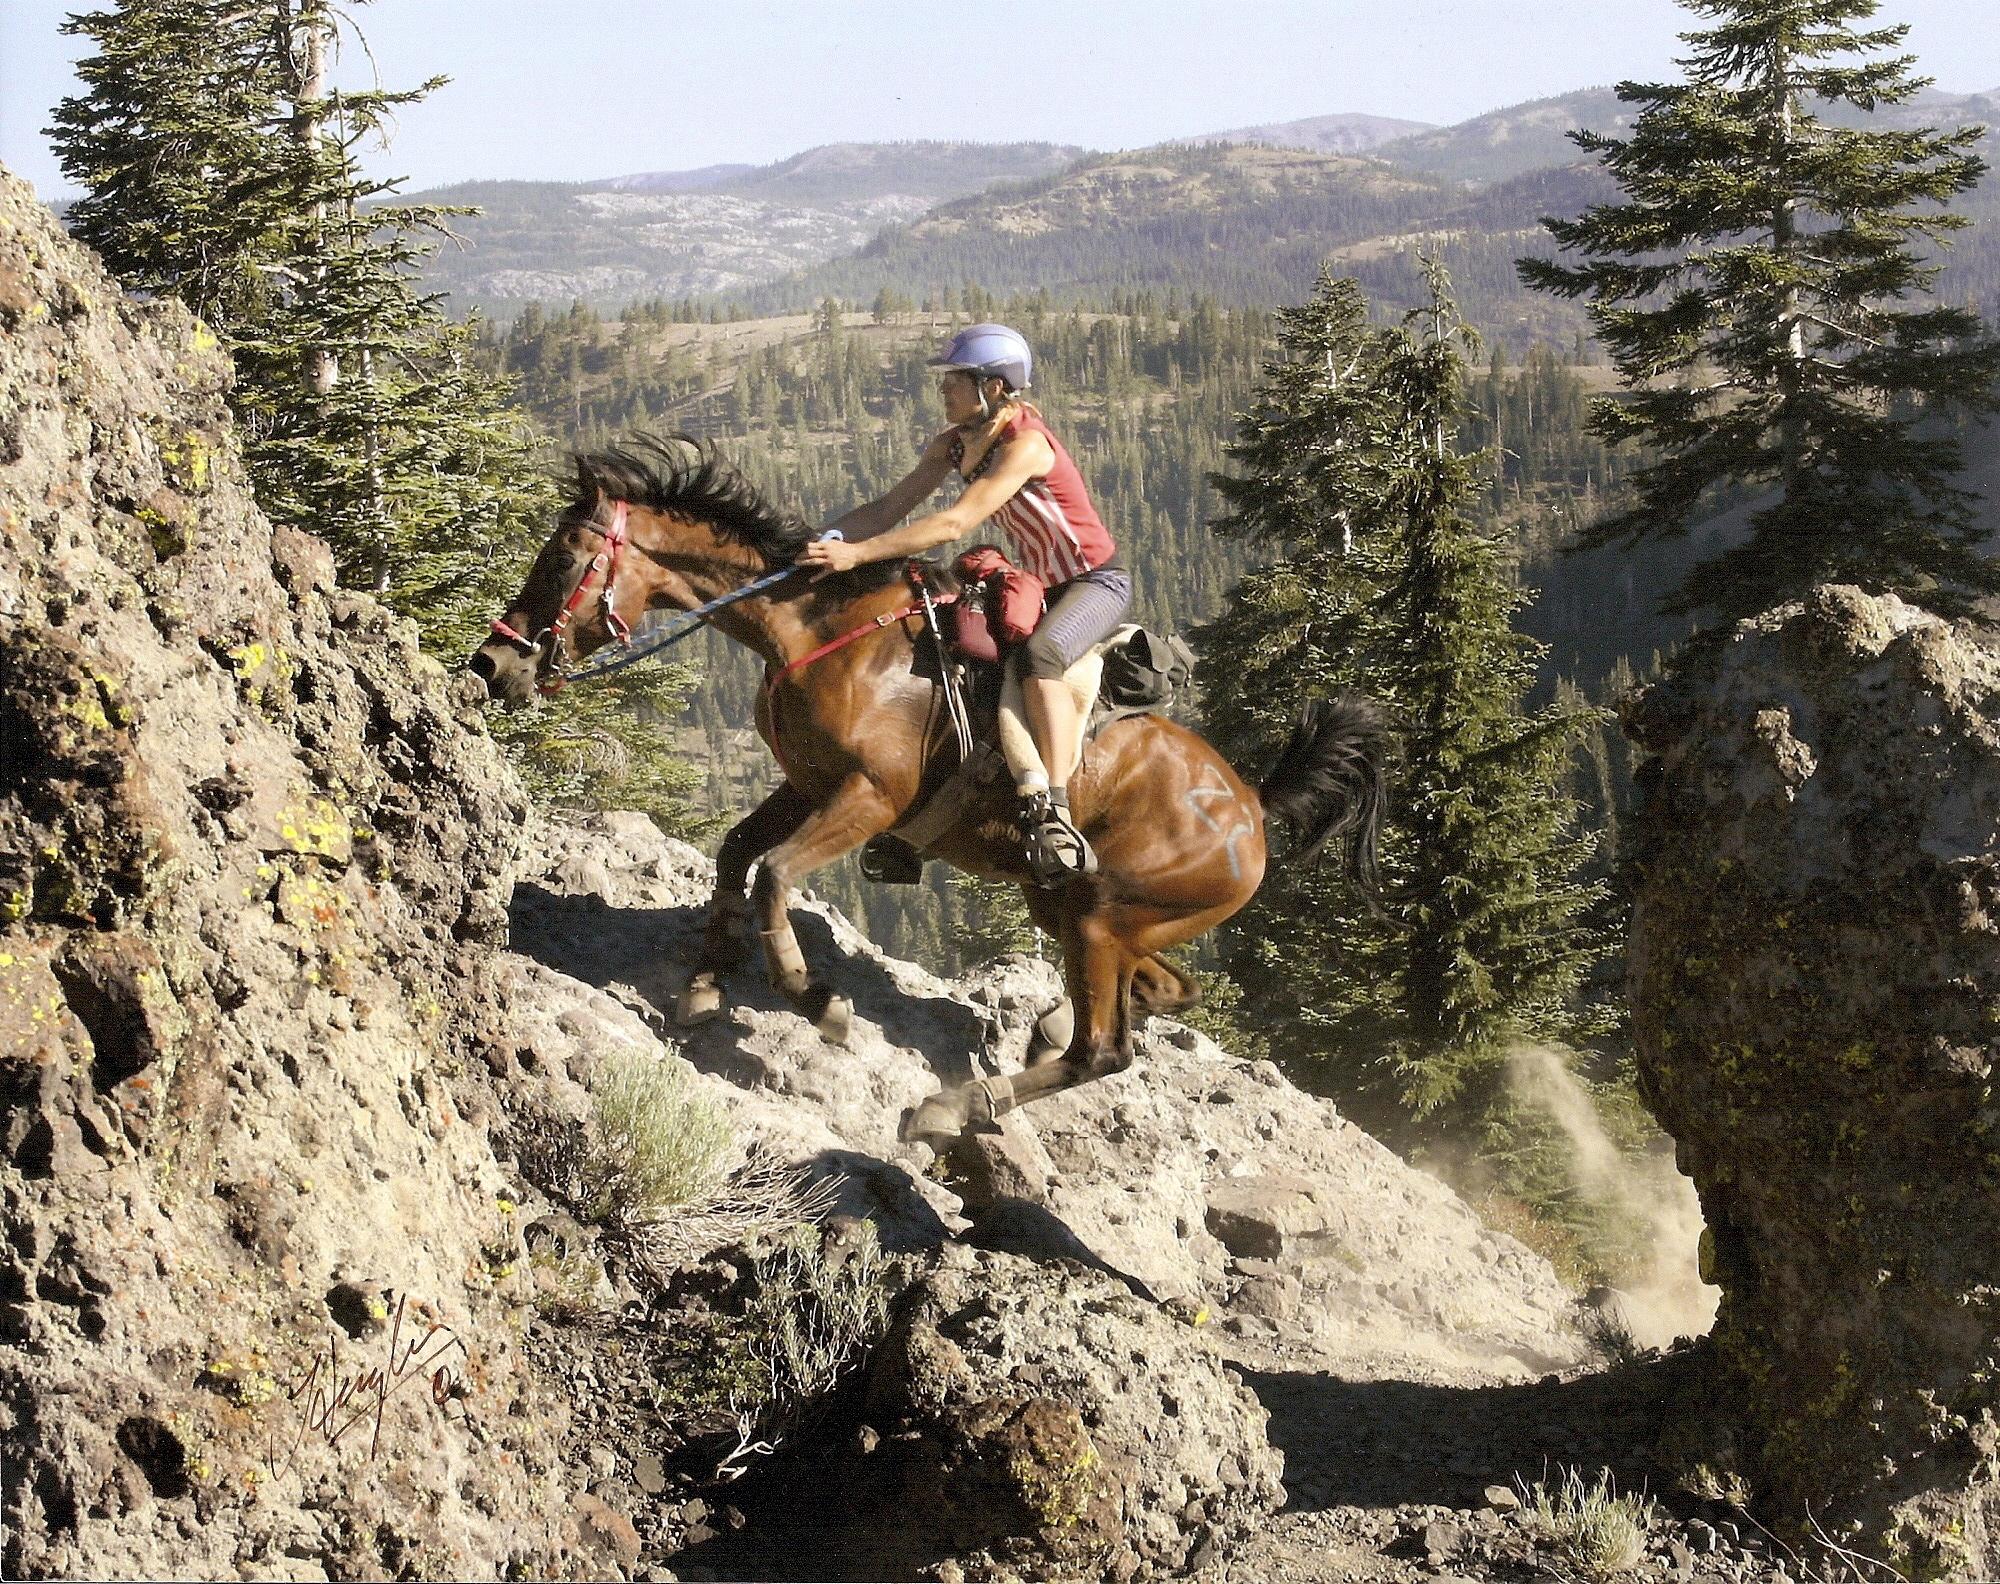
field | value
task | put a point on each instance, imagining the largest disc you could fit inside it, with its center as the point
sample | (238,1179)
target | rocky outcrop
(1053,1418)
(252,861)
(1816,994)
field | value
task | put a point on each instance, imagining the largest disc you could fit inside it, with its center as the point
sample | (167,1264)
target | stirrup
(1056,849)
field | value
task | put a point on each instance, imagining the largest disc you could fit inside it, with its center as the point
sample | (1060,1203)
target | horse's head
(657,524)
(579,596)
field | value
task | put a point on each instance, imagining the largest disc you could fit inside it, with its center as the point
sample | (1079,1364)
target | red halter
(606,562)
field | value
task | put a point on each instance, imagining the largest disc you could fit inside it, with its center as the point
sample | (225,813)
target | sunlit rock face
(253,861)
(1816,999)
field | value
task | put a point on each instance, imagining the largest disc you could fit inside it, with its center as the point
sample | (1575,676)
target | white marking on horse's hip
(1197,797)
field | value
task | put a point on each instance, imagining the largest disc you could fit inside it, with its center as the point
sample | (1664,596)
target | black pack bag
(1143,671)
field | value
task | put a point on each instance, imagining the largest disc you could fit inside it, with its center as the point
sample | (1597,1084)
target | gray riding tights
(1083,612)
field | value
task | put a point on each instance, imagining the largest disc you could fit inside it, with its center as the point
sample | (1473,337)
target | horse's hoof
(937,1122)
(700,1002)
(831,1014)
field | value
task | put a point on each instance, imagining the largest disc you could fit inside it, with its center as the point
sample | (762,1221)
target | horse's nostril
(481,665)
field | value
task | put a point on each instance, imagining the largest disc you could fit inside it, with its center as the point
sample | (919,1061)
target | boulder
(1815,986)
(1045,1420)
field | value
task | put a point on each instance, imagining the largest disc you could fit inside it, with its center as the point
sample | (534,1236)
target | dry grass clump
(752,1204)
(1597,1533)
(652,1143)
(820,1301)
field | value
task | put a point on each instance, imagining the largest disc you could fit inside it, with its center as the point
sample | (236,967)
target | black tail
(1331,781)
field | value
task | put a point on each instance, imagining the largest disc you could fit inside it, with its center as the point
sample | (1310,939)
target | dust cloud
(1668,1298)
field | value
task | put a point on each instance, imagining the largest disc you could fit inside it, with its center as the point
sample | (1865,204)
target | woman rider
(1017,473)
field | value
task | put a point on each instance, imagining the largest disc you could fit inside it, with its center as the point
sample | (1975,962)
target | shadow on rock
(650,950)
(871,1189)
(1019,1226)
(1392,1443)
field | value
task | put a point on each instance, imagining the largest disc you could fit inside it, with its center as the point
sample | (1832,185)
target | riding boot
(1057,850)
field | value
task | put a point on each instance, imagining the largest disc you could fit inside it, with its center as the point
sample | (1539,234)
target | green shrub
(652,1142)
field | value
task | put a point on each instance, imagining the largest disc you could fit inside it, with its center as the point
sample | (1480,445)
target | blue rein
(688,624)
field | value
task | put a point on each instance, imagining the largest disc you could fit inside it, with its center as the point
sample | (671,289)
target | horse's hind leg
(1097,968)
(722,942)
(854,813)
(1160,989)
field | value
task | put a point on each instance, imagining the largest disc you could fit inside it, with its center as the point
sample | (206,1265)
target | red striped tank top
(1055,531)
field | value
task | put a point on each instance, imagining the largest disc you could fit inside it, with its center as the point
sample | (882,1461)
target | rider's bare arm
(1028,456)
(879,516)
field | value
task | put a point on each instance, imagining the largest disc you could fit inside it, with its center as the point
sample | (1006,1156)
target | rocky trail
(1413,1368)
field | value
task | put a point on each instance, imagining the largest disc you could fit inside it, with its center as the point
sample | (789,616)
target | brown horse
(1178,834)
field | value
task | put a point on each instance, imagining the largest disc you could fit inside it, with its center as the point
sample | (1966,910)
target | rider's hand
(828,556)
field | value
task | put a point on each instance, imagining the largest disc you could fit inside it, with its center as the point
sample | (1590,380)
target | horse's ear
(587,487)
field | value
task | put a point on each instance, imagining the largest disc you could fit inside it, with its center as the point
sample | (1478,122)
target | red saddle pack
(1002,604)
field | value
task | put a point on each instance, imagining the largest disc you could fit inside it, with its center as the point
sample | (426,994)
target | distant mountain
(844,173)
(1242,222)
(674,181)
(1533,136)
(1327,134)
(1510,142)
(1238,215)
(719,230)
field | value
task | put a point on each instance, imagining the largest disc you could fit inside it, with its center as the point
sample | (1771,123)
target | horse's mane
(683,475)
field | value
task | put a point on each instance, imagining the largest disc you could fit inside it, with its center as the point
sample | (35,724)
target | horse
(1179,835)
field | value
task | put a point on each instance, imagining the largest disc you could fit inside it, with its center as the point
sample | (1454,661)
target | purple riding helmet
(988,350)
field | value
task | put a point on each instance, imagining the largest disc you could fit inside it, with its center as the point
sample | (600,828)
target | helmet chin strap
(985,406)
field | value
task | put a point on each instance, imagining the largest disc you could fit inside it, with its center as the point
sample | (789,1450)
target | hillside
(715,231)
(1327,134)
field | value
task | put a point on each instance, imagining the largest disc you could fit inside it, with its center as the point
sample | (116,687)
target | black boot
(1057,850)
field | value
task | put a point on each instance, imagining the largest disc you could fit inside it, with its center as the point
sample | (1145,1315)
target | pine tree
(1755,290)
(183,184)
(1384,585)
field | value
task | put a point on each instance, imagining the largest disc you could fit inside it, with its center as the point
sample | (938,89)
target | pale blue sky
(574,89)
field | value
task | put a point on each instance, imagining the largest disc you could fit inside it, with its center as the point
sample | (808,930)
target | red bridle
(606,562)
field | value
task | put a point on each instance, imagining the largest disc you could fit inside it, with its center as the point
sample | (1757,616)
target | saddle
(977,613)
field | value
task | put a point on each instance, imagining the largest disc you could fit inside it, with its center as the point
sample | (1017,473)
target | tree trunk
(306,40)
(1790,327)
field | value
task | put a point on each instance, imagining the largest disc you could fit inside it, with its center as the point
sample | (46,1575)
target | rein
(671,633)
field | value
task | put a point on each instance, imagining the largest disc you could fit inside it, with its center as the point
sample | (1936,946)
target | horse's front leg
(722,941)
(853,814)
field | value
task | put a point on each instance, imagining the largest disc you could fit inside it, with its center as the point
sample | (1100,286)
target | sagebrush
(652,1143)
(1597,1533)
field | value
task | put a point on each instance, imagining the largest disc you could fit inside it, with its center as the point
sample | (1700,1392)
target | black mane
(681,474)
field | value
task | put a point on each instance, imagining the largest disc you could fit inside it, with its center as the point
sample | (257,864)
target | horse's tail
(1332,780)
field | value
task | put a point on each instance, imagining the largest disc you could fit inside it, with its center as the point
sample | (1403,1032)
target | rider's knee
(1042,657)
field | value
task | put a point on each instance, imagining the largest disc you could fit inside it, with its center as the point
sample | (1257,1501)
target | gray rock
(1819,897)
(1076,1466)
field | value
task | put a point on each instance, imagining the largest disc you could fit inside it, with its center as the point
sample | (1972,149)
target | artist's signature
(336,1399)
